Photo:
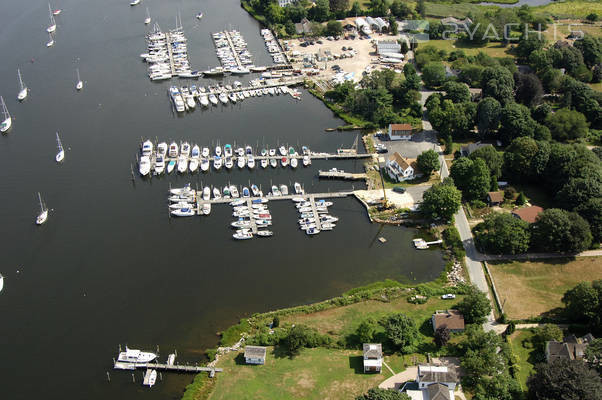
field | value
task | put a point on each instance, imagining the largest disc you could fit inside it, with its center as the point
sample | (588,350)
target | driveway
(409,199)
(420,142)
(397,380)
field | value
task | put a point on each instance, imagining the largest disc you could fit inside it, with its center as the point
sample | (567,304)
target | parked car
(344,48)
(399,189)
(448,296)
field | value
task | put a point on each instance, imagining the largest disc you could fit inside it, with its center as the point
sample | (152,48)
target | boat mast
(78,78)
(4,109)
(20,79)
(41,203)
(59,142)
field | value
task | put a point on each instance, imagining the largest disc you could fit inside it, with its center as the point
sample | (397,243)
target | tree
(521,199)
(433,74)
(488,116)
(441,201)
(338,6)
(393,28)
(475,306)
(583,303)
(400,9)
(557,230)
(289,27)
(321,11)
(383,394)
(515,121)
(501,233)
(482,357)
(529,90)
(356,9)
(442,336)
(456,92)
(564,379)
(493,159)
(301,336)
(471,177)
(498,83)
(592,212)
(528,44)
(378,8)
(428,161)
(593,354)
(592,17)
(402,332)
(546,333)
(334,28)
(421,8)
(578,191)
(591,49)
(519,156)
(366,330)
(567,124)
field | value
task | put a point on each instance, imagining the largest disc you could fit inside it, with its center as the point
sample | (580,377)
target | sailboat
(24,90)
(43,216)
(51,41)
(135,2)
(199,15)
(60,156)
(148,17)
(52,26)
(1,282)
(79,84)
(7,121)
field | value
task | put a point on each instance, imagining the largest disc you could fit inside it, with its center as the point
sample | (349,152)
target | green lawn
(524,351)
(313,374)
(571,8)
(536,195)
(491,49)
(596,86)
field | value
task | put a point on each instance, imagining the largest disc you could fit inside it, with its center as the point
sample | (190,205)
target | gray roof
(438,391)
(373,350)
(255,352)
(436,376)
(570,351)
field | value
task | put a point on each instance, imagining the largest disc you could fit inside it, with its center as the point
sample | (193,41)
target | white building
(285,3)
(400,132)
(255,354)
(434,382)
(373,357)
(399,169)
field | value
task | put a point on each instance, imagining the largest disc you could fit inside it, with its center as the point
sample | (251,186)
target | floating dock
(165,367)
(342,174)
(307,197)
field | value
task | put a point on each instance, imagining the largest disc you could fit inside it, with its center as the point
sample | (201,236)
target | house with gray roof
(572,348)
(433,382)
(255,354)
(373,357)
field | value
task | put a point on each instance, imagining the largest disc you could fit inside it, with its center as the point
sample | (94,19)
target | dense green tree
(539,61)
(557,230)
(498,83)
(475,306)
(356,9)
(451,119)
(366,330)
(378,8)
(296,12)
(515,121)
(301,336)
(441,201)
(471,74)
(428,161)
(493,159)
(519,156)
(383,394)
(593,354)
(276,322)
(482,357)
(421,8)
(274,13)
(578,191)
(564,379)
(583,303)
(289,27)
(321,11)
(456,91)
(400,9)
(402,332)
(488,116)
(501,233)
(393,27)
(442,336)
(591,211)
(471,177)
(337,6)
(529,43)
(529,90)
(591,49)
(433,74)
(334,28)
(546,333)
(566,124)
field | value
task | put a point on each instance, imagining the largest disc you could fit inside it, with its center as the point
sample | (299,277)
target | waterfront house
(433,382)
(452,319)
(527,214)
(255,354)
(373,357)
(495,198)
(400,169)
(400,132)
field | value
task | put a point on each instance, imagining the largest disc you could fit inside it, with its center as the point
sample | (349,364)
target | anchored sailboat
(148,17)
(24,90)
(79,85)
(52,26)
(43,216)
(60,156)
(7,121)
(51,41)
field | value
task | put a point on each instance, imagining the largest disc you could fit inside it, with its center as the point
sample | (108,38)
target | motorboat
(135,356)
(217,162)
(323,203)
(264,163)
(298,199)
(52,27)
(144,166)
(294,162)
(199,15)
(228,150)
(234,191)
(206,209)
(251,161)
(218,151)
(60,156)
(147,148)
(205,164)
(242,235)
(262,222)
(255,190)
(182,198)
(264,152)
(204,100)
(232,97)
(147,20)
(238,202)
(159,166)
(180,204)
(272,152)
(182,163)
(193,165)
(206,193)
(80,84)
(240,160)
(273,162)
(135,2)
(170,166)
(312,231)
(223,98)
(284,190)
(183,212)
(306,160)
(173,150)
(298,188)
(275,191)
(228,163)
(185,149)
(1,282)
(240,152)
(245,192)
(23,91)
(226,192)
(304,227)
(264,233)
(177,99)
(43,215)
(205,152)
(151,376)
(282,150)
(284,161)
(259,201)
(213,99)
(50,43)
(162,149)
(217,194)
(7,120)
(241,223)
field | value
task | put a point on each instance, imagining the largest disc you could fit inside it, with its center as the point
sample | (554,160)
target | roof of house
(528,214)
(436,373)
(402,162)
(401,127)
(255,351)
(571,351)
(438,391)
(453,319)
(373,350)
(496,197)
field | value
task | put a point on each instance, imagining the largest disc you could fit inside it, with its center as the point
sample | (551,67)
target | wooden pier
(166,367)
(232,49)
(312,200)
(341,175)
(251,217)
(307,197)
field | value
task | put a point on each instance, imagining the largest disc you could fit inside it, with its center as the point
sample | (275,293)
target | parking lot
(408,148)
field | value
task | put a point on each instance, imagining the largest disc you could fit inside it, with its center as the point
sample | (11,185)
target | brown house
(495,198)
(453,319)
(527,214)
(400,132)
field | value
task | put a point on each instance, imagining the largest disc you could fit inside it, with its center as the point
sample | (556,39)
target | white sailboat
(1,282)
(7,121)
(43,216)
(60,156)
(147,20)
(52,26)
(51,41)
(135,3)
(24,90)
(79,85)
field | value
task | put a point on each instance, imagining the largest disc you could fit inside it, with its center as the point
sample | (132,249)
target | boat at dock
(234,191)
(217,162)
(180,205)
(1,282)
(284,190)
(173,150)
(183,212)
(205,164)
(131,357)
(206,209)
(243,235)
(294,163)
(298,188)
(144,166)
(251,162)
(245,192)
(147,148)
(171,359)
(264,233)
(206,193)
(182,163)
(150,377)
(159,166)
(170,166)
(255,190)
(177,99)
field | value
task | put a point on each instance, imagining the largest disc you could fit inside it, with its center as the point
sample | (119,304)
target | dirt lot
(364,48)
(530,289)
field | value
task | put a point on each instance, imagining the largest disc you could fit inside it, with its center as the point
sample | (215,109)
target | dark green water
(109,266)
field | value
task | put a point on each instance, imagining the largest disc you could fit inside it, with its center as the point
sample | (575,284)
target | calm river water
(109,267)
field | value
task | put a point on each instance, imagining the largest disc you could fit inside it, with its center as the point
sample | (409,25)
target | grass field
(491,49)
(571,8)
(533,289)
(596,86)
(524,351)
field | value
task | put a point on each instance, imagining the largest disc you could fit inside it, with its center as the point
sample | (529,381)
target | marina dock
(342,175)
(327,195)
(312,200)
(233,49)
(165,367)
